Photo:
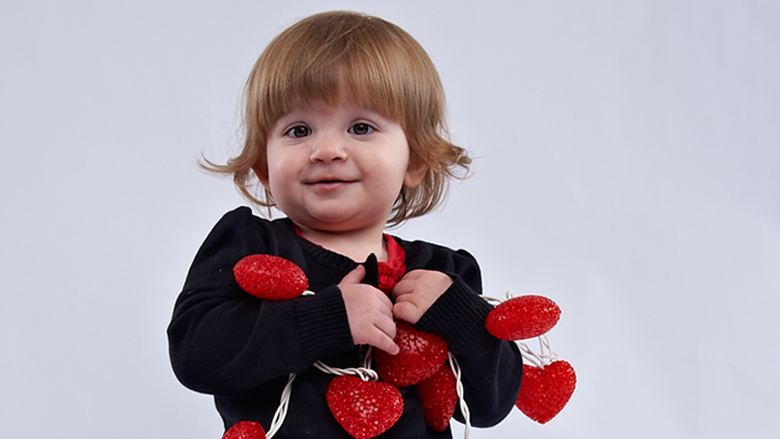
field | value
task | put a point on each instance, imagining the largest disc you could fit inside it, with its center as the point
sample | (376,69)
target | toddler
(344,134)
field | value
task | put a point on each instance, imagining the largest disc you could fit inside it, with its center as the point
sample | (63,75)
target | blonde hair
(382,67)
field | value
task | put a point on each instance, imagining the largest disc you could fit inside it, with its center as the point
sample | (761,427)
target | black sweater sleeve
(226,342)
(491,368)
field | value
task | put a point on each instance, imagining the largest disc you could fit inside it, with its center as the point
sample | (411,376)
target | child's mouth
(330,185)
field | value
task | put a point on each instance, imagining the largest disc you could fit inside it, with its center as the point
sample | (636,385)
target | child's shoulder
(242,224)
(244,217)
(436,256)
(428,246)
(241,214)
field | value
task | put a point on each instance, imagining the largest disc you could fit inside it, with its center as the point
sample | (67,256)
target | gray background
(626,161)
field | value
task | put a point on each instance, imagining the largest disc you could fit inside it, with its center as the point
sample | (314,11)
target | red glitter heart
(270,277)
(421,355)
(439,397)
(245,430)
(522,317)
(364,409)
(545,391)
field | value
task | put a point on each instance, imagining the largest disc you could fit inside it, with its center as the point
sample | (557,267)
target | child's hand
(369,311)
(416,292)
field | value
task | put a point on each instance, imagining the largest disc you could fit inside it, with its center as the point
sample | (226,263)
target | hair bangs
(354,63)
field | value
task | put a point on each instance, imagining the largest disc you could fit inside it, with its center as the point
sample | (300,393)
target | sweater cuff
(458,316)
(323,327)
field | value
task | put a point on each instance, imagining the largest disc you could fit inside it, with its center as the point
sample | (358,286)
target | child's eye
(298,131)
(360,129)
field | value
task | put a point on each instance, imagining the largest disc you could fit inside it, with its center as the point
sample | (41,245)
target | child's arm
(226,342)
(491,368)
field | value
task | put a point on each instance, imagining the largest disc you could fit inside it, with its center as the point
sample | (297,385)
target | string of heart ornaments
(366,402)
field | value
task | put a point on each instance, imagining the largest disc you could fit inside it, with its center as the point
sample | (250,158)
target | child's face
(338,167)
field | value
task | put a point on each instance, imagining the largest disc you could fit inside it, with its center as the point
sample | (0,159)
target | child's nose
(327,148)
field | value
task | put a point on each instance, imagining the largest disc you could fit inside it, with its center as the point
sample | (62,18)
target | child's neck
(356,245)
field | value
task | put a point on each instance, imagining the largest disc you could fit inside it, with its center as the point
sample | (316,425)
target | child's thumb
(355,276)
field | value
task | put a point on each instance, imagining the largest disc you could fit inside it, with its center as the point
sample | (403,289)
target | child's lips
(329,185)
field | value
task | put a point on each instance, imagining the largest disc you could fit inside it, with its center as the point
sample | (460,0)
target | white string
(492,300)
(508,295)
(544,341)
(367,356)
(284,401)
(281,411)
(541,359)
(464,408)
(365,372)
(360,372)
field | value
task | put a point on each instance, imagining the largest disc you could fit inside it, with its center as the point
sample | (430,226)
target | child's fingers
(417,291)
(355,276)
(386,325)
(404,286)
(406,305)
(386,306)
(369,314)
(384,342)
(383,320)
(382,332)
(407,310)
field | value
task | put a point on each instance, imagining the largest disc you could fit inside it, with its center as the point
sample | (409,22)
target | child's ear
(261,174)
(415,173)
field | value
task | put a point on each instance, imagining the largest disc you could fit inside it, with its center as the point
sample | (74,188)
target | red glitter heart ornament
(439,397)
(523,317)
(546,390)
(270,277)
(364,409)
(421,355)
(245,430)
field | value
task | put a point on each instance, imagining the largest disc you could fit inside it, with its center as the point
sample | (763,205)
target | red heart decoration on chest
(270,277)
(245,430)
(439,397)
(364,409)
(546,390)
(523,317)
(421,355)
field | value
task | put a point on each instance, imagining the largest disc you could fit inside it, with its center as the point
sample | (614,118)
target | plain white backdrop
(627,157)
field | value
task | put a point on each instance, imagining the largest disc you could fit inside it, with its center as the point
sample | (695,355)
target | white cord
(281,411)
(360,372)
(464,408)
(541,359)
(368,355)
(493,300)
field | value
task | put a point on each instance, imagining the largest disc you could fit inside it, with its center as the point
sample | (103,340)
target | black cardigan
(241,349)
